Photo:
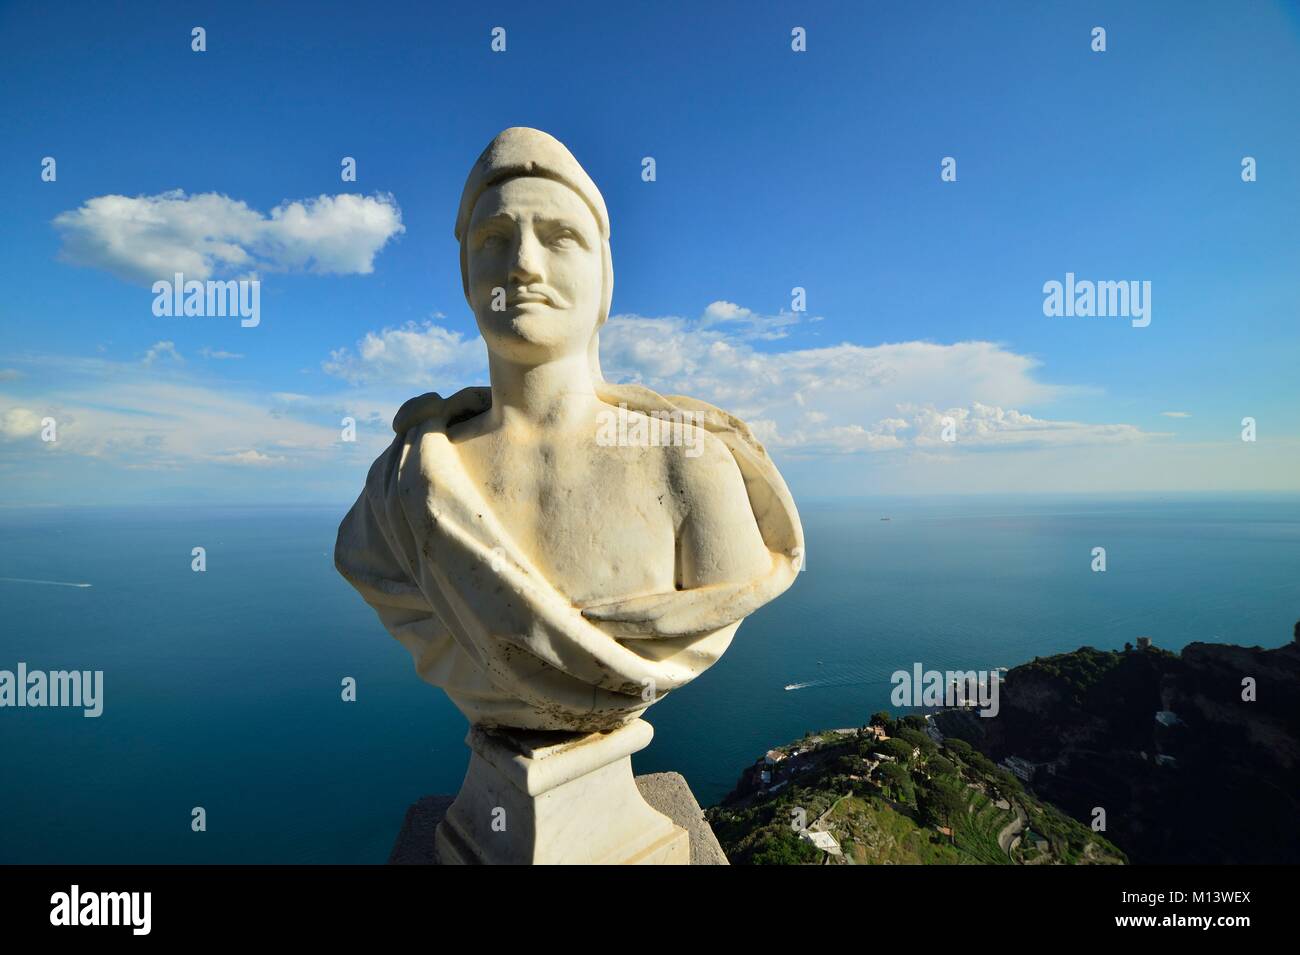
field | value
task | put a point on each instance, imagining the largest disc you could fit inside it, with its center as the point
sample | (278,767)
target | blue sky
(775,169)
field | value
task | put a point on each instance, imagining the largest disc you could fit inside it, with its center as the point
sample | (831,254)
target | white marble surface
(543,562)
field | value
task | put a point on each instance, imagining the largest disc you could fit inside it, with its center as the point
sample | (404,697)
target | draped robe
(423,547)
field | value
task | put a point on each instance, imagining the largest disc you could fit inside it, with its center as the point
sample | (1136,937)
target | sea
(223,689)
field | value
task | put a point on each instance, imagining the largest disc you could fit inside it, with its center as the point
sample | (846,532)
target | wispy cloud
(416,354)
(218,355)
(16,422)
(847,398)
(162,351)
(161,416)
(1176,414)
(145,238)
(979,427)
(251,458)
(749,323)
(841,399)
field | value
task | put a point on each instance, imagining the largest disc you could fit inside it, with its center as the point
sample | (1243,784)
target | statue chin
(533,335)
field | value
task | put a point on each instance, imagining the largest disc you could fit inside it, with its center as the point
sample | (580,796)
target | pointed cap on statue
(523,151)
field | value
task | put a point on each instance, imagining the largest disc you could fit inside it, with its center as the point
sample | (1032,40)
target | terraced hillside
(891,793)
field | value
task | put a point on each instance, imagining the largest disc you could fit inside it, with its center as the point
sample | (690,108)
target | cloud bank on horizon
(844,399)
(922,400)
(923,404)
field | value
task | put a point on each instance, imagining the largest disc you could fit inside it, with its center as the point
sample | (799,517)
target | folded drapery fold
(427,553)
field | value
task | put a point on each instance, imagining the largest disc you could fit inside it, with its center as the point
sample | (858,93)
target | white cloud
(985,426)
(750,323)
(145,238)
(162,350)
(416,354)
(847,398)
(19,423)
(217,354)
(251,458)
(125,414)
(842,399)
(1176,414)
(844,420)
(979,427)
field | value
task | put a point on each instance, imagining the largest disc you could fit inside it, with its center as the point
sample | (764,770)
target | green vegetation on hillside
(905,799)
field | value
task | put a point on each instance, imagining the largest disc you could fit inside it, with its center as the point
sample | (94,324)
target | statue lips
(535,296)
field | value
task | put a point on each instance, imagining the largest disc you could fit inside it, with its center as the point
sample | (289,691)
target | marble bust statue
(551,572)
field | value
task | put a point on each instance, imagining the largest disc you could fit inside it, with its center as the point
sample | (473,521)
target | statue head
(534,250)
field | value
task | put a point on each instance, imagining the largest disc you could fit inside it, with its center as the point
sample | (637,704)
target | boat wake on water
(846,674)
(52,583)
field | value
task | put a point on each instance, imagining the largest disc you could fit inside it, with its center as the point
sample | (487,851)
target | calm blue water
(222,688)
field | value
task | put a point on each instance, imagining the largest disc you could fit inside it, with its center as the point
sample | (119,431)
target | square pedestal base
(555,798)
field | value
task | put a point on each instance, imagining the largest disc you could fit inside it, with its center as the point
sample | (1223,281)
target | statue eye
(565,239)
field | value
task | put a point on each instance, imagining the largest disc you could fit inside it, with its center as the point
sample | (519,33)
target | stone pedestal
(536,798)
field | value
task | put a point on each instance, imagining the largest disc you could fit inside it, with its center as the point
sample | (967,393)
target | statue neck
(557,394)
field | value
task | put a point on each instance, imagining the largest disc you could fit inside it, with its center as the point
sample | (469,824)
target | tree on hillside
(897,781)
(1007,782)
(900,749)
(784,848)
(917,738)
(958,746)
(942,803)
(939,766)
(982,763)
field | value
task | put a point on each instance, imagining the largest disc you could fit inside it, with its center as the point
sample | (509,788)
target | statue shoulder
(707,466)
(417,417)
(431,407)
(730,468)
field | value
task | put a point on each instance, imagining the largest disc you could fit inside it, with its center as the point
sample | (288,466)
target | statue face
(538,241)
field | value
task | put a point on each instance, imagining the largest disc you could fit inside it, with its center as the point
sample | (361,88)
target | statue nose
(526,267)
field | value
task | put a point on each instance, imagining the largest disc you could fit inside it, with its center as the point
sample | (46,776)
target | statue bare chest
(598,523)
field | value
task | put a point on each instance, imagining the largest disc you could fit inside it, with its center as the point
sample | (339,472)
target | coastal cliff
(1193,757)
(1182,758)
